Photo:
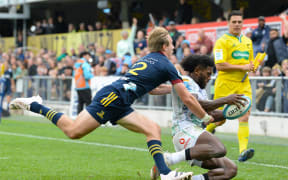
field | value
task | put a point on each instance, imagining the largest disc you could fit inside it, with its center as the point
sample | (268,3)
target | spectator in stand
(173,32)
(97,67)
(39,30)
(194,20)
(92,50)
(62,55)
(31,67)
(203,40)
(44,25)
(20,72)
(185,44)
(186,52)
(71,28)
(98,26)
(264,90)
(125,45)
(20,54)
(178,47)
(284,66)
(248,32)
(276,49)
(140,42)
(81,48)
(82,27)
(285,91)
(50,29)
(260,35)
(184,13)
(283,16)
(109,63)
(90,28)
(203,50)
(73,54)
(60,26)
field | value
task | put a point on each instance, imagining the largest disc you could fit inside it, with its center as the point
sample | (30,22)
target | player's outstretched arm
(192,103)
(232,67)
(162,89)
(210,105)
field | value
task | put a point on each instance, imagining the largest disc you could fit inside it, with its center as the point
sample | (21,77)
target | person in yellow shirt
(233,56)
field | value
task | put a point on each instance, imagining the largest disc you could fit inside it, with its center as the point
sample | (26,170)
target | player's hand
(134,21)
(207,119)
(248,67)
(236,99)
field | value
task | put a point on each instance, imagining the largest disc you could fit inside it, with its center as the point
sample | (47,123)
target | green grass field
(33,149)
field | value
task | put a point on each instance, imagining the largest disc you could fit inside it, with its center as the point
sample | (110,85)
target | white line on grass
(4,158)
(113,146)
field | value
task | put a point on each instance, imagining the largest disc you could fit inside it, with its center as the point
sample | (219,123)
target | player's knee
(154,131)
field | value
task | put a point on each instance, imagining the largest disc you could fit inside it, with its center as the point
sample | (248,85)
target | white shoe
(154,173)
(24,103)
(175,175)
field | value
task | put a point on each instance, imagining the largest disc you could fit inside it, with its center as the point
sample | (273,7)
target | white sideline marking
(114,146)
(4,158)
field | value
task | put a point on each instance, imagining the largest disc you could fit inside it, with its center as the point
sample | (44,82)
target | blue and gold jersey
(146,74)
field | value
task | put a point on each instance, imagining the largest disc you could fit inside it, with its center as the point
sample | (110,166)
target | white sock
(176,157)
(198,177)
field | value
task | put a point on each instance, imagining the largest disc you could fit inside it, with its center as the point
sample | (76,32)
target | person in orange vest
(82,75)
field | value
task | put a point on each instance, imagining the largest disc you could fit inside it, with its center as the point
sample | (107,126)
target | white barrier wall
(259,125)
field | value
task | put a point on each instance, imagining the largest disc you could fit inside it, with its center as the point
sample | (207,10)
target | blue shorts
(108,105)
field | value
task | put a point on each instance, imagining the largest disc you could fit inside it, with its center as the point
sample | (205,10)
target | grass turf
(32,148)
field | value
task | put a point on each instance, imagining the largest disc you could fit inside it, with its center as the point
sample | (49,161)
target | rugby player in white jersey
(191,142)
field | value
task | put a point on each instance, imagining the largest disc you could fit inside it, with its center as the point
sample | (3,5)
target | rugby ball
(231,112)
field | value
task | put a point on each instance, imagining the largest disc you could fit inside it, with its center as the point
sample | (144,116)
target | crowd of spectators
(133,46)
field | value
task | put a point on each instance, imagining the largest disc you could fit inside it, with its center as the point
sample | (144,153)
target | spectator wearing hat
(174,33)
(260,35)
(125,45)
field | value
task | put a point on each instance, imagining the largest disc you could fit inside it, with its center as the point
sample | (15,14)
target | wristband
(206,118)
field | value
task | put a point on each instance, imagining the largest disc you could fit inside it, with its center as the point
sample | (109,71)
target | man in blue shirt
(260,35)
(113,102)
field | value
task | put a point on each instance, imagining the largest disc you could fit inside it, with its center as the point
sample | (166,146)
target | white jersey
(182,117)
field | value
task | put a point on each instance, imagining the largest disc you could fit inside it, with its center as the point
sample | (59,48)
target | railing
(58,90)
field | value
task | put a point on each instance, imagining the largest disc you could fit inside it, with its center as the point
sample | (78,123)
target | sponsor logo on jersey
(218,54)
(240,55)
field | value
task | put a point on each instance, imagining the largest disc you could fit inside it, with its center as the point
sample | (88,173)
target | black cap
(261,18)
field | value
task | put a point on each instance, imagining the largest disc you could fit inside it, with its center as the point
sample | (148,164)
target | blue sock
(45,111)
(155,149)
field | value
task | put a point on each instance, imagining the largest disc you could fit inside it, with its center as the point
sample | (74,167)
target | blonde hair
(157,38)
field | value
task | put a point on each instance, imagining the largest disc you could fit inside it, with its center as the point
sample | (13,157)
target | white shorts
(187,138)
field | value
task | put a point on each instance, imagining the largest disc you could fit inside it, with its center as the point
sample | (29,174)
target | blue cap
(185,42)
(108,51)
